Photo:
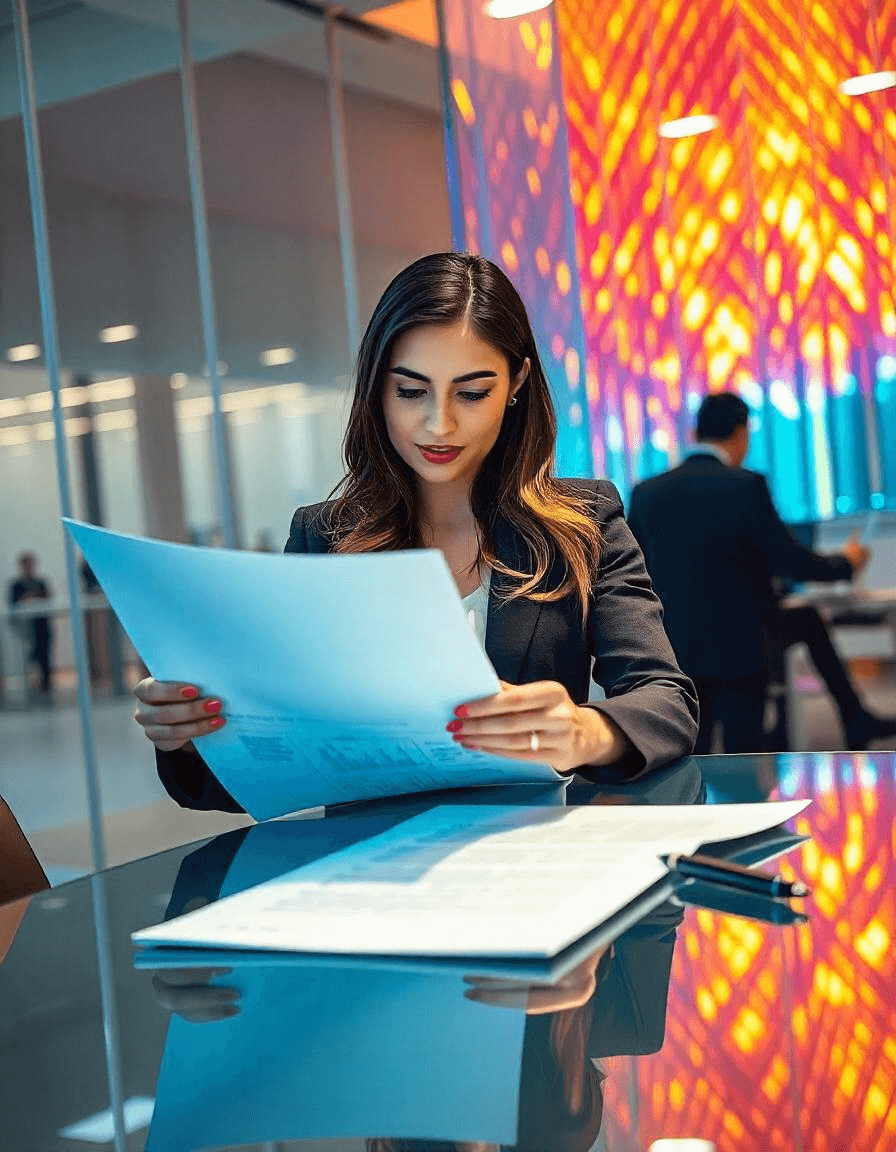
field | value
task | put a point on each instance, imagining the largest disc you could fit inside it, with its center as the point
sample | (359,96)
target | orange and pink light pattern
(758,256)
(729,1072)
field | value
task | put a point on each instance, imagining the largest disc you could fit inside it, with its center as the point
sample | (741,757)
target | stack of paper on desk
(338,673)
(469,881)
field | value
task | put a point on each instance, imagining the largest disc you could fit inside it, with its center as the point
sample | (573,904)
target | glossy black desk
(769,1037)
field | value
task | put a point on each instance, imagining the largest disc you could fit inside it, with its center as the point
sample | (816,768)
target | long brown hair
(377,506)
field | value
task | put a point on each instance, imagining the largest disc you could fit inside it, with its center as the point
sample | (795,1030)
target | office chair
(20,872)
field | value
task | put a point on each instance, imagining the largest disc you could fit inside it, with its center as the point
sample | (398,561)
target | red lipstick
(439,454)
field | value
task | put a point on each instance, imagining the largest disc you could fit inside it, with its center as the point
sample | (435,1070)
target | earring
(511,401)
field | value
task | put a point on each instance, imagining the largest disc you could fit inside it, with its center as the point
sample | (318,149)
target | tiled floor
(42,778)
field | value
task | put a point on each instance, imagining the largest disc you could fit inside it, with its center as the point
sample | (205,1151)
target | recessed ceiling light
(506,9)
(688,126)
(23,352)
(873,82)
(271,357)
(118,333)
(682,1144)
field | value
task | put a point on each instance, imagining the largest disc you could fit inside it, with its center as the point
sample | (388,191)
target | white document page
(338,673)
(469,881)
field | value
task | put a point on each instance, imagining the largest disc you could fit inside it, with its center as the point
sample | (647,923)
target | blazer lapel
(511,624)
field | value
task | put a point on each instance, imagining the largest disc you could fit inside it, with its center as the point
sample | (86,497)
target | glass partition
(272,192)
(44,786)
(116,203)
(287,236)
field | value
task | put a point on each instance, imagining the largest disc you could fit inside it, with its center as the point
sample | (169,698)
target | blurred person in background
(714,546)
(36,631)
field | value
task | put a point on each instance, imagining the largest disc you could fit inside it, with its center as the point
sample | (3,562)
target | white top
(476,606)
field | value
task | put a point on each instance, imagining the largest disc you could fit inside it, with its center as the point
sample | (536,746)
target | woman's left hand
(539,723)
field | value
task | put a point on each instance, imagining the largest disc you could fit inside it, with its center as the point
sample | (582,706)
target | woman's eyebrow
(398,370)
(484,374)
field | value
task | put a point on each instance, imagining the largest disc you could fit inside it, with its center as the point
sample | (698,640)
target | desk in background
(849,607)
(107,646)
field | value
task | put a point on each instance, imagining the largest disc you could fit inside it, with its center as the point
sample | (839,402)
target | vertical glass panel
(120,228)
(40,790)
(512,187)
(118,217)
(275,243)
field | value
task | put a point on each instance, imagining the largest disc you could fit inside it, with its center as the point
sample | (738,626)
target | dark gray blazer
(648,696)
(713,543)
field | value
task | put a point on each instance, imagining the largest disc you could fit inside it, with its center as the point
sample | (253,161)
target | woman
(450,445)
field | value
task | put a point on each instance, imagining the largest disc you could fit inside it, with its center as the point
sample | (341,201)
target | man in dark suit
(37,630)
(714,545)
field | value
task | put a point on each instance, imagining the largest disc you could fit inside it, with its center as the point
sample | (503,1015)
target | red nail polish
(462,711)
(454,726)
(457,738)
(212,706)
(217,722)
(189,693)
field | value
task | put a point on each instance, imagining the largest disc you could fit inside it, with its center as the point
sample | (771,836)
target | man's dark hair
(721,415)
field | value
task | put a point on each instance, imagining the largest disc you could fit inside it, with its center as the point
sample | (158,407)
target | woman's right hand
(172,713)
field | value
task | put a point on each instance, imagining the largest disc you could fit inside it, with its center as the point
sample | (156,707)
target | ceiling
(119,41)
(106,78)
(415,19)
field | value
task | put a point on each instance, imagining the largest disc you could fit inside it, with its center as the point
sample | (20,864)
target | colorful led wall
(828,1082)
(757,256)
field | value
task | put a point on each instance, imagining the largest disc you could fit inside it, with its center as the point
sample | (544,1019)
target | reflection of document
(338,673)
(469,881)
(340,1053)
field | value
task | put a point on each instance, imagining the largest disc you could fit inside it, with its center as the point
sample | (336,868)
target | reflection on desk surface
(296,1052)
(772,1037)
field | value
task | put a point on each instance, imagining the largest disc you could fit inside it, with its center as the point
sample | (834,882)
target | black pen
(746,905)
(734,876)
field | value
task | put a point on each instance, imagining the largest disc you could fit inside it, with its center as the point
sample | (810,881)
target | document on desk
(338,673)
(469,881)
